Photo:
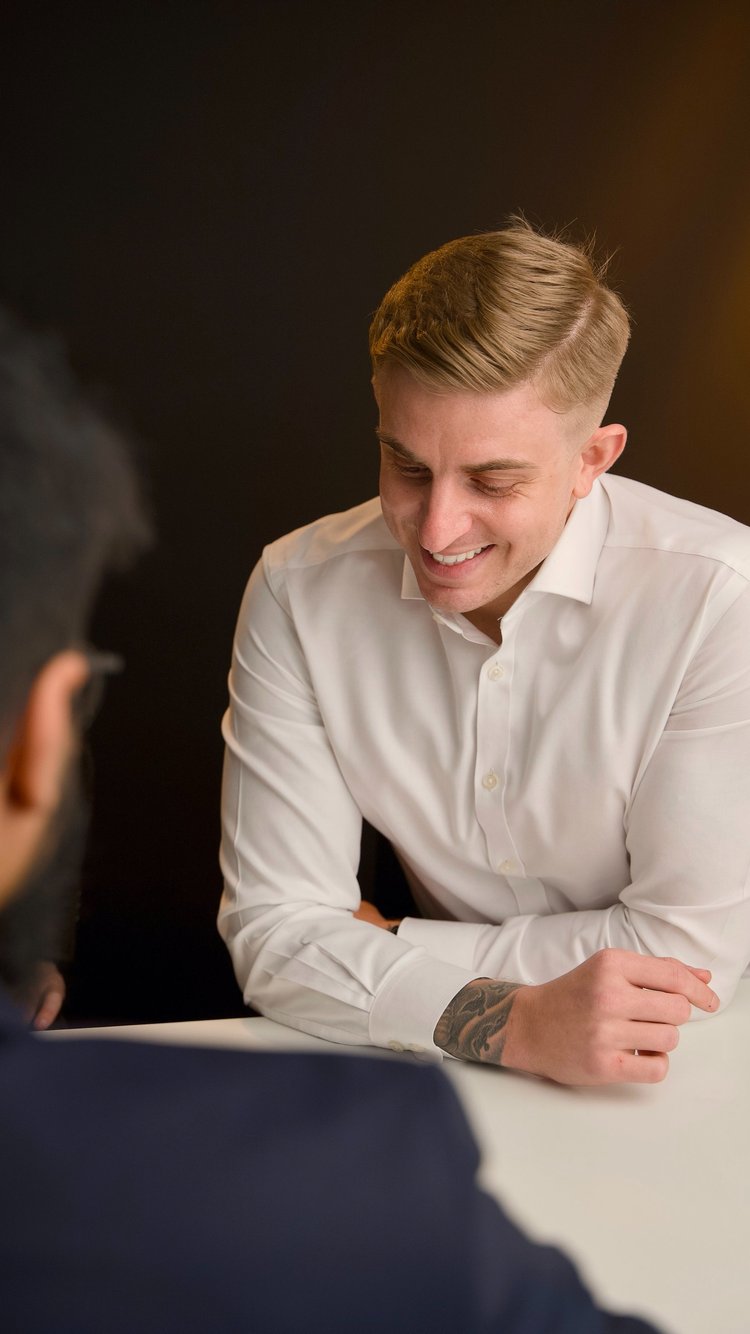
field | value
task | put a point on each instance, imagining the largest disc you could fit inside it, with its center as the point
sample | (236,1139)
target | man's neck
(486,621)
(488,618)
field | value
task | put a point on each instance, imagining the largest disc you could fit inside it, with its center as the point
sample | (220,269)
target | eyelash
(418,474)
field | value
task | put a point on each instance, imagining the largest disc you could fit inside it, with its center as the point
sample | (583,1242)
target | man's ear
(33,776)
(601,450)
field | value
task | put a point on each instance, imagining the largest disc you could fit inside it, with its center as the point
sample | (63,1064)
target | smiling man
(532,678)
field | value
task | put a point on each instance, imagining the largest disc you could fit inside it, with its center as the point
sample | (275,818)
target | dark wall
(208,201)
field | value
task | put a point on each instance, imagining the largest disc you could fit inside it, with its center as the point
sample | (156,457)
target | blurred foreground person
(154,1188)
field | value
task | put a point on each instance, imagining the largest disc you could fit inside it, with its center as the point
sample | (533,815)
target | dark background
(209,200)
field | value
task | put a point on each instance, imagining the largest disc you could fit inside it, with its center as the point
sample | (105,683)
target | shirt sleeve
(686,832)
(290,849)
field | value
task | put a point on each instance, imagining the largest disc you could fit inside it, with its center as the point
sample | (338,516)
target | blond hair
(499,309)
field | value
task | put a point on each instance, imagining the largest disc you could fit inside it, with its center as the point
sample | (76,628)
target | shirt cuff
(454,942)
(410,1002)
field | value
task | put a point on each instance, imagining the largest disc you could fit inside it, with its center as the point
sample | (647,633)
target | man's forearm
(613,1018)
(474,1025)
(536,948)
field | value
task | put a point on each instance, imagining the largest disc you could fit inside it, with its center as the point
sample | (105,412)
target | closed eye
(411,470)
(417,472)
(487,489)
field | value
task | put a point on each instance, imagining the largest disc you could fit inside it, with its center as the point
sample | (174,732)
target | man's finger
(648,1038)
(658,1007)
(49,1007)
(641,1067)
(672,976)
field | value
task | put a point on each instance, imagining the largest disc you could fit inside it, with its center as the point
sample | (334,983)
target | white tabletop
(646,1187)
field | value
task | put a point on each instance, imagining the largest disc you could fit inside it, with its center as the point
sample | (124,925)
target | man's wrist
(516,1048)
(474,1024)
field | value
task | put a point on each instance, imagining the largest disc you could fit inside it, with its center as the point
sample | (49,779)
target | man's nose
(443,519)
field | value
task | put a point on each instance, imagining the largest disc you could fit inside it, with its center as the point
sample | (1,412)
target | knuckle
(596,962)
(604,980)
(607,958)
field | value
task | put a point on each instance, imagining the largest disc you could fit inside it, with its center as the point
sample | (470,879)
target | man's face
(489,479)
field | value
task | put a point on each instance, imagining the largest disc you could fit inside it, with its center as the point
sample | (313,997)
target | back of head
(69,509)
(490,312)
(69,512)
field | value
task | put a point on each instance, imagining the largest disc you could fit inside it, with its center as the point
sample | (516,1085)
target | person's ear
(33,775)
(601,450)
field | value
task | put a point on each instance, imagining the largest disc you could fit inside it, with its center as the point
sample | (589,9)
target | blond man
(531,677)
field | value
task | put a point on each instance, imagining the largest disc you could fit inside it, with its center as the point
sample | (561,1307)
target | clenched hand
(613,1019)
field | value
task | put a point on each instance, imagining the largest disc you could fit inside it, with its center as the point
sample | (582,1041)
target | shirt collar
(409,585)
(570,568)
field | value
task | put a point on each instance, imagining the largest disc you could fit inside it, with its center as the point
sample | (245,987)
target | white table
(646,1187)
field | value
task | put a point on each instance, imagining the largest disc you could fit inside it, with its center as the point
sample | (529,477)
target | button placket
(493,740)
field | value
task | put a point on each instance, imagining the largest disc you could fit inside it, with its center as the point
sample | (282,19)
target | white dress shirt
(585,784)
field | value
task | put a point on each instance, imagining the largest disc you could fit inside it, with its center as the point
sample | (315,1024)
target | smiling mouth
(459,558)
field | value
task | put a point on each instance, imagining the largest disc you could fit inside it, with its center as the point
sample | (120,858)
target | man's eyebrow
(490,465)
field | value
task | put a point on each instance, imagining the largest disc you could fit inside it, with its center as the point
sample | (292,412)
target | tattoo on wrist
(473,1025)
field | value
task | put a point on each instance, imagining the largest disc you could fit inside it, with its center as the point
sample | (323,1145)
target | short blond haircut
(499,309)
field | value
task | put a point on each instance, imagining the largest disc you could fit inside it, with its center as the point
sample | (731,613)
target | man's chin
(449,599)
(459,600)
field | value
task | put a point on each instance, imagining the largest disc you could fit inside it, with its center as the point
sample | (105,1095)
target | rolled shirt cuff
(411,1001)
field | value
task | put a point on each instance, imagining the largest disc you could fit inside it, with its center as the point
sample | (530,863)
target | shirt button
(507,866)
(496,671)
(396,1046)
(490,780)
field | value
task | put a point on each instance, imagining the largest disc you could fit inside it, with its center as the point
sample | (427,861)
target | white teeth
(456,560)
